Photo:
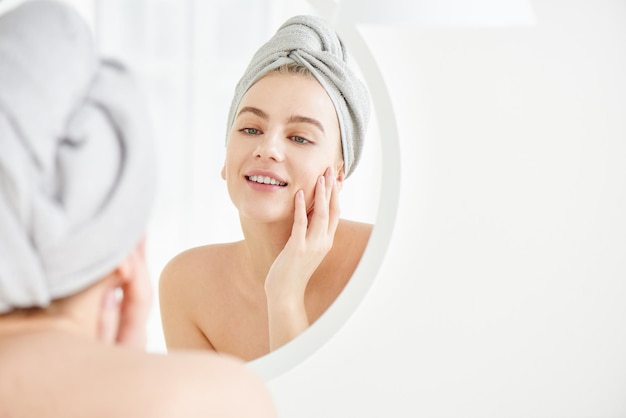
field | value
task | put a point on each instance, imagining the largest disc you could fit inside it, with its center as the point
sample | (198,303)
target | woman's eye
(251,131)
(300,140)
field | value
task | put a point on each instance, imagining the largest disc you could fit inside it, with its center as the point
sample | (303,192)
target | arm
(311,239)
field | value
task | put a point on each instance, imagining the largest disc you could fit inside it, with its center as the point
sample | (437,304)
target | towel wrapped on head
(77,166)
(310,41)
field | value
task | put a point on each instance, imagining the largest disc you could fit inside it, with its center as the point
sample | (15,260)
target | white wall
(502,292)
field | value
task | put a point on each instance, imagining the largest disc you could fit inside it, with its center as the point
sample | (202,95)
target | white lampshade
(437,13)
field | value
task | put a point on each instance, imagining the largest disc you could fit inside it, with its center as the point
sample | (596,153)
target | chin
(267,214)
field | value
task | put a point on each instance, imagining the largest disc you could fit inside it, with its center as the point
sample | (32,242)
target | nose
(270,147)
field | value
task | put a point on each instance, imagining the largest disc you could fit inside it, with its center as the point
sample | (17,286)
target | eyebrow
(304,119)
(292,119)
(254,110)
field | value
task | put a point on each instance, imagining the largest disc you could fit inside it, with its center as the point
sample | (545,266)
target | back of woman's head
(77,172)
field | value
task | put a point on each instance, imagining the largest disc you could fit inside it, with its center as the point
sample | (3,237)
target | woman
(295,131)
(76,186)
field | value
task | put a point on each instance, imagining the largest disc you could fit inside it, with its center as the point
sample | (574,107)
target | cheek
(232,160)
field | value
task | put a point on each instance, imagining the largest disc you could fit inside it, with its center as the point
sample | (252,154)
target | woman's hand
(136,301)
(126,303)
(311,238)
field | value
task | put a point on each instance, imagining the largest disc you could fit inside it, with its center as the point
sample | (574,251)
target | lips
(266,180)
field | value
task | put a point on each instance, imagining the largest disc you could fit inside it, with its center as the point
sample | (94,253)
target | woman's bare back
(59,374)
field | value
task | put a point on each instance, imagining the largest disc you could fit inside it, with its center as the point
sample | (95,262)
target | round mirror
(190,56)
(290,355)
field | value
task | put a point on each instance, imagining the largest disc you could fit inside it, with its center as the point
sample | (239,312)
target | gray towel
(312,42)
(77,166)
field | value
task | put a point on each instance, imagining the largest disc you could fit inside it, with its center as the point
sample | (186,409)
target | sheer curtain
(189,54)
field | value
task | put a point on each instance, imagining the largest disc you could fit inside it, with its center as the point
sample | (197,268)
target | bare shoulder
(76,377)
(189,263)
(353,235)
(194,268)
(351,239)
(190,286)
(361,228)
(206,384)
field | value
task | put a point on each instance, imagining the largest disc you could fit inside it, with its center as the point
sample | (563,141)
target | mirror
(280,361)
(189,71)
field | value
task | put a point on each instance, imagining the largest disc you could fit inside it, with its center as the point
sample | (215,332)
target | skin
(83,357)
(250,297)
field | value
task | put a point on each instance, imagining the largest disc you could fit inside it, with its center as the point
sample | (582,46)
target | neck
(263,242)
(77,314)
(42,320)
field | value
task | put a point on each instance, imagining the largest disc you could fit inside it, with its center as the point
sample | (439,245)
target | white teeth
(266,180)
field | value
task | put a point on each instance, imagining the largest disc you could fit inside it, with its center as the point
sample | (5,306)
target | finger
(300,220)
(319,219)
(135,306)
(329,175)
(334,210)
(109,317)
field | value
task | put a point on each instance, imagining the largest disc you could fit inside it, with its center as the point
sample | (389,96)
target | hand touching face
(126,302)
(312,237)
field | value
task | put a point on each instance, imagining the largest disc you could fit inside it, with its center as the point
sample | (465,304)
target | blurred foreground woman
(77,182)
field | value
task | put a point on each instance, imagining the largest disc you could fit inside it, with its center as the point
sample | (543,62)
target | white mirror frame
(295,352)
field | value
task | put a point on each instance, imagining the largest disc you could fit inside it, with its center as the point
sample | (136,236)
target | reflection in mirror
(295,133)
(183,52)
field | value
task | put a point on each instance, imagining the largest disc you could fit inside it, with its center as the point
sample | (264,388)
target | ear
(223,172)
(340,176)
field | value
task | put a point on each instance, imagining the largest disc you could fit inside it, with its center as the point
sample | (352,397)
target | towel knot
(310,41)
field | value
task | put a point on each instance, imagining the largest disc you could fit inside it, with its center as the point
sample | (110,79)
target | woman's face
(284,136)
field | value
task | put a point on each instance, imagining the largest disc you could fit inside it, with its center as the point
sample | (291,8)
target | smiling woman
(296,128)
